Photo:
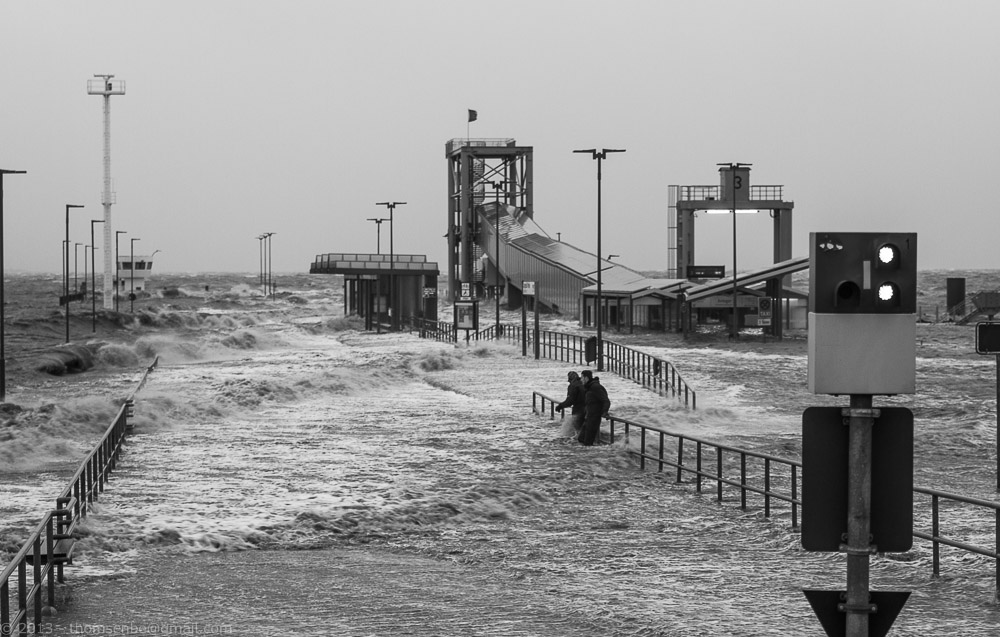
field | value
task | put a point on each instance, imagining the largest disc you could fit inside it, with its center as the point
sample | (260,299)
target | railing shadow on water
(644,369)
(49,546)
(733,468)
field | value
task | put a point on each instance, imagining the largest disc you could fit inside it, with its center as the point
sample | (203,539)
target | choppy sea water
(279,429)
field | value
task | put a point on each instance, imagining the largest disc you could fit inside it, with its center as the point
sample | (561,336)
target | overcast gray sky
(250,116)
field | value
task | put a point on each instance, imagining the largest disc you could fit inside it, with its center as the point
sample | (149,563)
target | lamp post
(497,185)
(76,265)
(117,266)
(393,315)
(268,272)
(378,233)
(599,155)
(131,275)
(66,266)
(735,327)
(3,355)
(93,275)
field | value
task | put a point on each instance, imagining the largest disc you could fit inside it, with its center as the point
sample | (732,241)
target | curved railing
(50,544)
(655,374)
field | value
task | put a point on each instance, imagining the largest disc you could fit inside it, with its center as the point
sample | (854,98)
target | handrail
(655,374)
(58,525)
(768,490)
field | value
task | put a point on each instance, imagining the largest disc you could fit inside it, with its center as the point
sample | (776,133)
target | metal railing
(765,482)
(50,544)
(655,374)
(748,471)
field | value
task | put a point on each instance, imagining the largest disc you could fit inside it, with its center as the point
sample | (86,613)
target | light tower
(107,87)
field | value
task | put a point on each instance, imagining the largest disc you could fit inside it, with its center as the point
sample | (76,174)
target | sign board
(466,291)
(430,293)
(825,454)
(706,271)
(529,288)
(725,301)
(764,310)
(988,338)
(466,315)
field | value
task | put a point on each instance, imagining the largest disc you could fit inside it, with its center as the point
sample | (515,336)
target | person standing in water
(574,400)
(596,406)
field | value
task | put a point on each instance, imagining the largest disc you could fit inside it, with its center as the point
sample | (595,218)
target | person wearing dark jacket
(596,405)
(575,400)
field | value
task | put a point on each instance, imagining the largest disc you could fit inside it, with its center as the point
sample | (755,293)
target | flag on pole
(473,115)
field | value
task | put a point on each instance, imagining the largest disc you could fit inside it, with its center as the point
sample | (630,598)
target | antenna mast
(107,87)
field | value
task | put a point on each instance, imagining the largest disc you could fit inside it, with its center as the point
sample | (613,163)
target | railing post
(743,481)
(22,596)
(48,552)
(661,452)
(935,530)
(718,472)
(767,487)
(697,466)
(680,459)
(37,583)
(642,448)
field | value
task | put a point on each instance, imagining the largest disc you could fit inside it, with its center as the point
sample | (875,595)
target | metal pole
(66,267)
(600,300)
(393,311)
(599,156)
(497,185)
(117,269)
(93,275)
(859,504)
(735,331)
(76,265)
(131,275)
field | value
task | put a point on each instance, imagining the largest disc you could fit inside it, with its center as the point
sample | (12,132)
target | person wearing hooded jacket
(596,406)
(575,400)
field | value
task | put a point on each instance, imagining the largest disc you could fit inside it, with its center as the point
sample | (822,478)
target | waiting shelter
(384,289)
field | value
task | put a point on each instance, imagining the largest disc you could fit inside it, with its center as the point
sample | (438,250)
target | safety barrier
(766,483)
(655,374)
(50,544)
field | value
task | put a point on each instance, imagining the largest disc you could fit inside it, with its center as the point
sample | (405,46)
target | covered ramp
(718,295)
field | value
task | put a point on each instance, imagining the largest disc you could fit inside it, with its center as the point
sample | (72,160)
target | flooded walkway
(398,487)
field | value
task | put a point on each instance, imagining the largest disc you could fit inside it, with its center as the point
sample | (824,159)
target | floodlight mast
(107,87)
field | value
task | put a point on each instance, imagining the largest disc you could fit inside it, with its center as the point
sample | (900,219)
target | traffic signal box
(862,312)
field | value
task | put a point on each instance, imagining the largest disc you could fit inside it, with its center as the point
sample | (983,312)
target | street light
(393,316)
(268,272)
(613,256)
(260,247)
(93,275)
(131,275)
(378,233)
(66,266)
(117,266)
(3,355)
(599,155)
(497,185)
(76,265)
(735,327)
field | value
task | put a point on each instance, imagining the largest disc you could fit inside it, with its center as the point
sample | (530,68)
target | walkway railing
(777,478)
(50,544)
(655,374)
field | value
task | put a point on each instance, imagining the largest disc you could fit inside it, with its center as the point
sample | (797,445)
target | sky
(253,116)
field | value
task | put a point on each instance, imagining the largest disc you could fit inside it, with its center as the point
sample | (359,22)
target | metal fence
(773,478)
(655,374)
(50,544)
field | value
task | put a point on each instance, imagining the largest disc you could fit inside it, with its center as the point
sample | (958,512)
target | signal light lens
(888,255)
(888,293)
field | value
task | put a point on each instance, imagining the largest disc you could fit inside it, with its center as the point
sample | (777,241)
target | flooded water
(280,433)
